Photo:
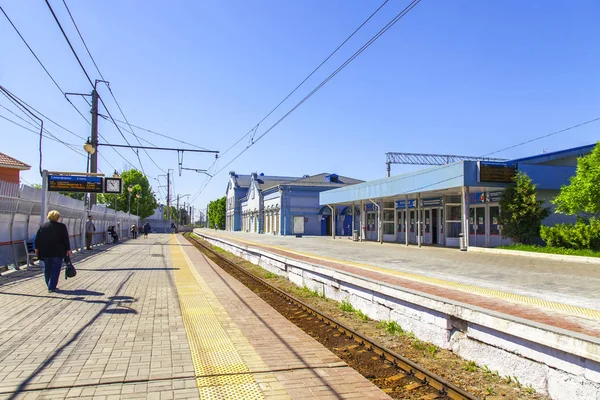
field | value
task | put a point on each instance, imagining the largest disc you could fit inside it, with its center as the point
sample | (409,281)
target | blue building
(283,205)
(438,205)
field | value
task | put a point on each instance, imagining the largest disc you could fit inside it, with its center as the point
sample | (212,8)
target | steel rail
(411,368)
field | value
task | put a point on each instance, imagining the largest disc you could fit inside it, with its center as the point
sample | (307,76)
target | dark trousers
(88,240)
(52,266)
(134,234)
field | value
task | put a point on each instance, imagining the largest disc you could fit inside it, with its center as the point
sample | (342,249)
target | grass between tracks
(476,379)
(551,250)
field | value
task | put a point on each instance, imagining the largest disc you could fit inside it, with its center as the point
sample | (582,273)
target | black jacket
(52,240)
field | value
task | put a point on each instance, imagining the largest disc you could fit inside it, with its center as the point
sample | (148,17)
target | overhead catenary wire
(163,135)
(382,31)
(255,128)
(42,65)
(107,85)
(90,79)
(47,136)
(543,136)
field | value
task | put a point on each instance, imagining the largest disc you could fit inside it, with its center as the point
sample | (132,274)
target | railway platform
(554,293)
(155,319)
(535,319)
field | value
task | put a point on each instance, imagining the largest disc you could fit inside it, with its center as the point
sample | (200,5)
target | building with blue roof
(284,205)
(439,205)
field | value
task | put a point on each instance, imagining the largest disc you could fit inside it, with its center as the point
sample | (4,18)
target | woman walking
(52,246)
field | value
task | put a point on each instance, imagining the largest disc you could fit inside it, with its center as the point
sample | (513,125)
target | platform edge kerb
(531,254)
(471,313)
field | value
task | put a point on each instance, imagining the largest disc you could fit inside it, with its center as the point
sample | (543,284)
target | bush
(582,235)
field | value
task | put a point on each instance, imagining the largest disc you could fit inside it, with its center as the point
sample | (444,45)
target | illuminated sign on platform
(496,173)
(79,184)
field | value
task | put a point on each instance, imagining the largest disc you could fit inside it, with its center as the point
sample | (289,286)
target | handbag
(70,270)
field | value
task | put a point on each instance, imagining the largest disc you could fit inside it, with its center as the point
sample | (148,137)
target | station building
(282,205)
(449,200)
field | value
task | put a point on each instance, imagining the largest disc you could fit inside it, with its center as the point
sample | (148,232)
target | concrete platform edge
(519,253)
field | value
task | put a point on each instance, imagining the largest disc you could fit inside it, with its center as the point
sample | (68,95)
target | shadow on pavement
(105,310)
(126,269)
(79,292)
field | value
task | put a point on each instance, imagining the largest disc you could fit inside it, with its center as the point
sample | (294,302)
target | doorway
(477,223)
(372,225)
(434,226)
(326,225)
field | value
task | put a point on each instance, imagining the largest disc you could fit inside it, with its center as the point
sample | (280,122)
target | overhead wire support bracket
(199,171)
(430,159)
(158,148)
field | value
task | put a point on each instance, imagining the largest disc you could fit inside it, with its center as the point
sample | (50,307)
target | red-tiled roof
(9,162)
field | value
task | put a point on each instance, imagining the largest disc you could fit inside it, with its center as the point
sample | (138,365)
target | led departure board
(497,173)
(81,184)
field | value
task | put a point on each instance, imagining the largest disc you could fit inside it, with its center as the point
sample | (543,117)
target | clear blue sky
(459,77)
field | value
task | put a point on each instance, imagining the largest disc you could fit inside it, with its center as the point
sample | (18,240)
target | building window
(494,215)
(453,213)
(388,215)
(401,221)
(388,228)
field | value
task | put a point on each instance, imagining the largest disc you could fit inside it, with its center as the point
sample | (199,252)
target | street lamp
(116,176)
(129,189)
(89,147)
(138,197)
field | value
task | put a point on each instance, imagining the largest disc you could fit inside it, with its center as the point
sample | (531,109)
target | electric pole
(168,197)
(94,155)
(178,213)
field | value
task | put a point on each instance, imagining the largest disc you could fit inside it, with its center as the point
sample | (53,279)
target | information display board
(78,184)
(496,173)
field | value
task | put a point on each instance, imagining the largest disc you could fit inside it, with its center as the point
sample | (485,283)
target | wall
(9,175)
(564,365)
(20,218)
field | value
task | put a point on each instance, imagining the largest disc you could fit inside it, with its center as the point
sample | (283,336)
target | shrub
(579,236)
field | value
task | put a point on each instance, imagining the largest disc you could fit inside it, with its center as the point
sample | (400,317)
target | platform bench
(30,251)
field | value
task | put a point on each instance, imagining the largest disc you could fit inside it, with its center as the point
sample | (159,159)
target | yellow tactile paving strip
(220,370)
(552,305)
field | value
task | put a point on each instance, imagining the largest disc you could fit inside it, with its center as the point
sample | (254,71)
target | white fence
(20,218)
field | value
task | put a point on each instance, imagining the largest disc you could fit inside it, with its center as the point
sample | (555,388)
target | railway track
(396,375)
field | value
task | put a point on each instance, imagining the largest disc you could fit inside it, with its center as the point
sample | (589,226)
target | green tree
(521,213)
(139,185)
(173,214)
(582,196)
(74,195)
(216,213)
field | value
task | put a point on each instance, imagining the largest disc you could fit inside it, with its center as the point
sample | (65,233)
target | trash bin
(355,235)
(463,245)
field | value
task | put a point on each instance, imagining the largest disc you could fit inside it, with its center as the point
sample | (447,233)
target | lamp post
(89,149)
(129,189)
(138,197)
(116,176)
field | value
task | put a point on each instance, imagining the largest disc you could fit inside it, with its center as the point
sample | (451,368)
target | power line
(48,118)
(42,65)
(308,77)
(88,77)
(69,43)
(383,30)
(53,138)
(81,37)
(163,135)
(543,136)
(109,89)
(49,135)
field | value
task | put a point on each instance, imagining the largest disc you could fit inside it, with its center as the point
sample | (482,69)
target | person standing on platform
(146,230)
(90,229)
(134,230)
(52,246)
